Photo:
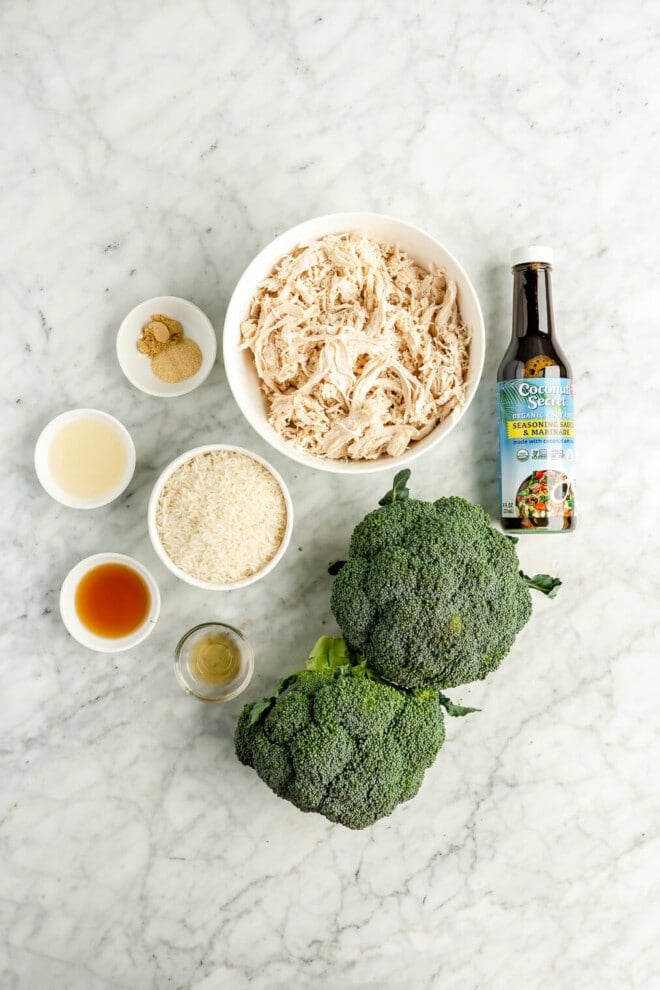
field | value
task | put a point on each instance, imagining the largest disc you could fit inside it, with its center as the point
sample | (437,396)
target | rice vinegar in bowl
(84,458)
(213,662)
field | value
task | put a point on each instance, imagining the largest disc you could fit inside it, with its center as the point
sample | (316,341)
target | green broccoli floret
(431,593)
(338,740)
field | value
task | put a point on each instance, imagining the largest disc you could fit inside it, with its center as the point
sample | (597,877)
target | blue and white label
(537,450)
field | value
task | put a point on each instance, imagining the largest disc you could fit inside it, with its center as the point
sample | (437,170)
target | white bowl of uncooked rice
(220,517)
(354,343)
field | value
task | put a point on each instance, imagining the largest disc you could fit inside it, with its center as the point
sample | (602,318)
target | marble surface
(154,148)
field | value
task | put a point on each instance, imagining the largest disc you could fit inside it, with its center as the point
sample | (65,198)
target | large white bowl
(239,365)
(153,528)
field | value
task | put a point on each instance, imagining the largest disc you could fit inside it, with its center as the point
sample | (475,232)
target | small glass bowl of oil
(213,662)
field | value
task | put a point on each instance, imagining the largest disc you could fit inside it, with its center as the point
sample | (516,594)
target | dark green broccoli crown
(342,743)
(430,594)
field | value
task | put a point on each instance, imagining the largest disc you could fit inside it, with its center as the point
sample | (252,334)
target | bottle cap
(531,253)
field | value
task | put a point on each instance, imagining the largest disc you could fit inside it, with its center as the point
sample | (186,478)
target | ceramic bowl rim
(159,484)
(79,632)
(309,230)
(42,468)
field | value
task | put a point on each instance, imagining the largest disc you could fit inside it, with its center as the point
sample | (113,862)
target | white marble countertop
(154,148)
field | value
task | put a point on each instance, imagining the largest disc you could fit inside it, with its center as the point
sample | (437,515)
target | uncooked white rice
(221,516)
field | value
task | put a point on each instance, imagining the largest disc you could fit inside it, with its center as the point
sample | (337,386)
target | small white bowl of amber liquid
(213,662)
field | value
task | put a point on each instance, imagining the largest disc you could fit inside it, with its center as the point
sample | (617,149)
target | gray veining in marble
(155,147)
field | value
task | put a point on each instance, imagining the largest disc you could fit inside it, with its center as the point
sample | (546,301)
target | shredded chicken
(359,350)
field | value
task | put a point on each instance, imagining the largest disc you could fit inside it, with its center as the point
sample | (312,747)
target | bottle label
(537,451)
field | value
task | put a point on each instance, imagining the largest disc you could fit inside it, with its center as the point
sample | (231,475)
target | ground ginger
(174,357)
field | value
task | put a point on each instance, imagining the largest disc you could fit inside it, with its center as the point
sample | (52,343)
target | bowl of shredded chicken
(354,342)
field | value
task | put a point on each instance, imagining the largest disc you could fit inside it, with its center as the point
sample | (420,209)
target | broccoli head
(338,740)
(431,594)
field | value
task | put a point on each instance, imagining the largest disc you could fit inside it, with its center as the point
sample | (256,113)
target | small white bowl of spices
(166,346)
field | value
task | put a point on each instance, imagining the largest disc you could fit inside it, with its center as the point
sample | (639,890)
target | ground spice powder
(174,357)
(178,361)
(159,333)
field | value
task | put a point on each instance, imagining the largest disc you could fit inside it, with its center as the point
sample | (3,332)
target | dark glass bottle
(535,408)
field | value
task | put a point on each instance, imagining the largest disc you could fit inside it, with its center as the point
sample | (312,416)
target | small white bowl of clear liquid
(84,458)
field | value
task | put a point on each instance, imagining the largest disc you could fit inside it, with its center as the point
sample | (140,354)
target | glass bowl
(189,665)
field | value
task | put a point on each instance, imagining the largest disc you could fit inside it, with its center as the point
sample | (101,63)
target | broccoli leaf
(453,709)
(399,491)
(543,582)
(261,708)
(335,567)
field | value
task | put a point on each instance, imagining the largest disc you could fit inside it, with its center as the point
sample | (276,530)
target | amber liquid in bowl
(112,600)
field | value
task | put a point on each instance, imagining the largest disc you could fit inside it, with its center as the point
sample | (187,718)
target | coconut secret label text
(545,394)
